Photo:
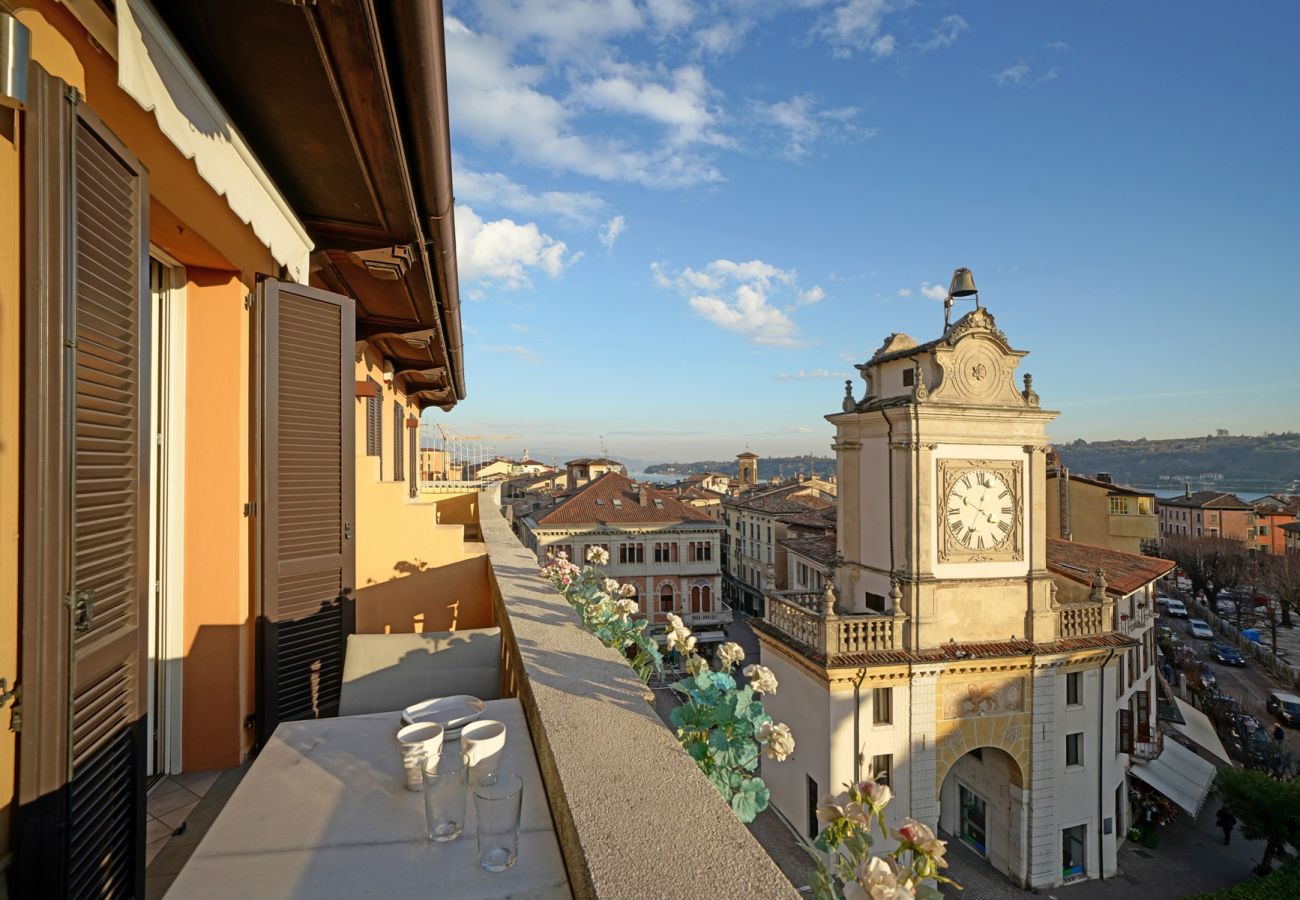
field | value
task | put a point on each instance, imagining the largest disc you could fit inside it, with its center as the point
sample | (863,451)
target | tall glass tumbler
(446,779)
(497,804)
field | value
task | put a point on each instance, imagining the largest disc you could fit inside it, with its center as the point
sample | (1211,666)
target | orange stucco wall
(218,667)
(415,569)
(10,303)
(222,257)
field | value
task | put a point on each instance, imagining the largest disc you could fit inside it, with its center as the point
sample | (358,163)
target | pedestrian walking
(1227,821)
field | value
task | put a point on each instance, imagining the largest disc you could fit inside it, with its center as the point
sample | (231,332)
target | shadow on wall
(460,509)
(419,598)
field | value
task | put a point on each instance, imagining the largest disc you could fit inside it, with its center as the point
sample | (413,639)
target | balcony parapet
(1081,619)
(603,751)
(807,617)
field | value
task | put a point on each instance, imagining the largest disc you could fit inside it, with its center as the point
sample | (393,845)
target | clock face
(981,513)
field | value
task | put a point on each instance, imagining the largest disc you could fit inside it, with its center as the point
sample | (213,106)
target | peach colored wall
(10,446)
(415,569)
(218,626)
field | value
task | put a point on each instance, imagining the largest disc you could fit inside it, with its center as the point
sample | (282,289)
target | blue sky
(680,222)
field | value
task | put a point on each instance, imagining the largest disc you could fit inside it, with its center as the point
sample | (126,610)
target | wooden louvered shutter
(306,506)
(414,471)
(86,531)
(374,421)
(399,423)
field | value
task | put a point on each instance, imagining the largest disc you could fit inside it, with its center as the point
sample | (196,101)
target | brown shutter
(1143,715)
(306,499)
(1125,730)
(83,742)
(414,473)
(399,422)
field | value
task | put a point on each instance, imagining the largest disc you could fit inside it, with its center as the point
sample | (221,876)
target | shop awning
(1178,774)
(1197,728)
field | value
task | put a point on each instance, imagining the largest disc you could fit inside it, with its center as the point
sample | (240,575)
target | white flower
(626,608)
(777,741)
(761,678)
(879,876)
(679,636)
(611,586)
(875,795)
(628,590)
(597,556)
(918,835)
(730,654)
(829,810)
(697,664)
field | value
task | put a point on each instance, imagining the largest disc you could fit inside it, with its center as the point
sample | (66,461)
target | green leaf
(750,799)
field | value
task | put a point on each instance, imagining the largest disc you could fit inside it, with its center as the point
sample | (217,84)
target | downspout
(1101,758)
(418,33)
(857,716)
(889,449)
(1067,533)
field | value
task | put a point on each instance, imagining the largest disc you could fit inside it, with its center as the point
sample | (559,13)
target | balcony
(721,616)
(803,617)
(1082,619)
(599,746)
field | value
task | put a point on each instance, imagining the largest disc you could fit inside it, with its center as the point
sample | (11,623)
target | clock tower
(942,473)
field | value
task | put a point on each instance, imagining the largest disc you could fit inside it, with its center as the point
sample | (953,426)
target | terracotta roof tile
(1125,572)
(785,499)
(1207,500)
(615,499)
(820,548)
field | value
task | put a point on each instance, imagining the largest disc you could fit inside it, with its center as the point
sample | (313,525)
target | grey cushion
(383,672)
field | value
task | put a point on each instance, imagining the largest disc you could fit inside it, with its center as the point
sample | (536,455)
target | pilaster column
(1044,841)
(923,799)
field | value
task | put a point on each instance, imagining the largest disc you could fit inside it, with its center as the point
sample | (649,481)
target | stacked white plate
(452,713)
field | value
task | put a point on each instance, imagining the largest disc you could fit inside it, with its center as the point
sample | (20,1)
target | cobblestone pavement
(1190,859)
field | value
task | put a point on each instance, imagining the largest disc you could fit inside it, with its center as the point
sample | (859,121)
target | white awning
(155,72)
(1180,775)
(1200,731)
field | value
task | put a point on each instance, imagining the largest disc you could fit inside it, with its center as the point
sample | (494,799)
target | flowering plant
(723,727)
(605,606)
(910,870)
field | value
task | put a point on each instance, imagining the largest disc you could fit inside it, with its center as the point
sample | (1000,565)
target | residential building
(581,471)
(718,482)
(1265,534)
(497,469)
(227,293)
(666,549)
(754,522)
(1206,514)
(1000,682)
(702,498)
(1291,537)
(1095,510)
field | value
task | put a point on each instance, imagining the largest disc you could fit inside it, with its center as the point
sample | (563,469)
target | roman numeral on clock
(1006,510)
(954,511)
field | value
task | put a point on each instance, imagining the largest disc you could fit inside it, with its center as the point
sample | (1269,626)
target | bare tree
(1279,577)
(1212,564)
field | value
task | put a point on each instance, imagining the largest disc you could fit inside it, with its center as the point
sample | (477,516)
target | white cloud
(1050,75)
(802,375)
(904,292)
(802,123)
(497,102)
(504,251)
(521,329)
(671,14)
(933,291)
(561,25)
(613,228)
(738,297)
(946,32)
(813,295)
(854,25)
(682,107)
(1058,45)
(497,190)
(883,46)
(1012,75)
(523,354)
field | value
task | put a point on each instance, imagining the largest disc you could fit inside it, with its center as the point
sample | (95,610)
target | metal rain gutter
(417,29)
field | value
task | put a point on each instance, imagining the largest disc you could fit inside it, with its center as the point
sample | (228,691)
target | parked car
(1227,654)
(1225,608)
(1199,628)
(1162,601)
(1176,608)
(1285,706)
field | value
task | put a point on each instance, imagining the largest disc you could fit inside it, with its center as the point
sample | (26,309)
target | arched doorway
(981,804)
(666,598)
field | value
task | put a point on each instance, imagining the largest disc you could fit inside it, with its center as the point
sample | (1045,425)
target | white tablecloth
(323,813)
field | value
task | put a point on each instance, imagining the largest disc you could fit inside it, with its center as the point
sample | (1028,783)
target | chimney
(1104,477)
(1187,489)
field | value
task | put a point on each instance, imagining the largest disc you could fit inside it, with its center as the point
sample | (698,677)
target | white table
(323,813)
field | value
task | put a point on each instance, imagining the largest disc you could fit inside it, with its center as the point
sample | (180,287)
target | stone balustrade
(1081,619)
(803,617)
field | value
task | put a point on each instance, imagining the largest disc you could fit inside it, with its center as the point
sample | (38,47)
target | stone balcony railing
(1082,619)
(603,751)
(804,617)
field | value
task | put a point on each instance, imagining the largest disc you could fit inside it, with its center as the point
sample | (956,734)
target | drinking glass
(445,782)
(497,803)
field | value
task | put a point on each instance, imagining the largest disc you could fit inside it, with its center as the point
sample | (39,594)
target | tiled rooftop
(1124,572)
(616,499)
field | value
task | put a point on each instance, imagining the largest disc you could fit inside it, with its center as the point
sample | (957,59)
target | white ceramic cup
(483,742)
(418,742)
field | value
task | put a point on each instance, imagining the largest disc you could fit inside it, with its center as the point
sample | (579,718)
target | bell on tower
(961,287)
